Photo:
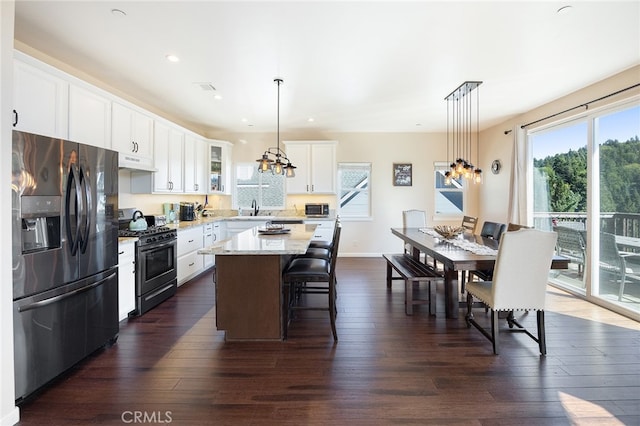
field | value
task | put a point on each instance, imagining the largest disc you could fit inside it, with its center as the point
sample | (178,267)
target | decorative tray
(273,231)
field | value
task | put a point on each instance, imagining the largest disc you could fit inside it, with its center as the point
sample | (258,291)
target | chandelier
(460,132)
(279,164)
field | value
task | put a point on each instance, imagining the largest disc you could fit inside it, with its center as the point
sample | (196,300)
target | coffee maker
(187,211)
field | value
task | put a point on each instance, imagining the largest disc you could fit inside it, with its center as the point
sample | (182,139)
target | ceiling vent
(206,86)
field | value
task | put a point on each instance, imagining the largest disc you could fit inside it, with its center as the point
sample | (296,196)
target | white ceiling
(359,66)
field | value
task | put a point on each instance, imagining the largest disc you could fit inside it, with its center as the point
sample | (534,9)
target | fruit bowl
(447,231)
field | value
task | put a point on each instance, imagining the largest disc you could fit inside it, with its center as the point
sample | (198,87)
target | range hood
(128,161)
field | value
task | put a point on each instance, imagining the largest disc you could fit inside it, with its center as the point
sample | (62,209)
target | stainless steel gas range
(155,264)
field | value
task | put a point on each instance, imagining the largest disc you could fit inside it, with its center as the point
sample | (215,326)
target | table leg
(451,304)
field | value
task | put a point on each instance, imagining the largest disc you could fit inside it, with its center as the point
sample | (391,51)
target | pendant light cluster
(279,164)
(460,132)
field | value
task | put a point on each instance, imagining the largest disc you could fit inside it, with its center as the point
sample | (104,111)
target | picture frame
(402,174)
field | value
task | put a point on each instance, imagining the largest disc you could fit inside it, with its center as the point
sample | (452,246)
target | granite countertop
(251,242)
(210,219)
(127,240)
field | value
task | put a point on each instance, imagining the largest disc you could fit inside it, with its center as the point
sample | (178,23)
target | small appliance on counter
(171,212)
(316,210)
(187,211)
(156,220)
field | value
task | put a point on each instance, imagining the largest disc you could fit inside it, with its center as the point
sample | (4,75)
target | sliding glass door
(560,194)
(586,187)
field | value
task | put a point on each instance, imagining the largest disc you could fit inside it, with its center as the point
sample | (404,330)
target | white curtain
(518,208)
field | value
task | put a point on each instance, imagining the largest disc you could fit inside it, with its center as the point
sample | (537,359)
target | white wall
(9,413)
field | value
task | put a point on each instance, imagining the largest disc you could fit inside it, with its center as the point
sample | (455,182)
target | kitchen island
(249,280)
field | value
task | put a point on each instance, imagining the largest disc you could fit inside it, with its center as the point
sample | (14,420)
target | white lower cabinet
(126,279)
(190,263)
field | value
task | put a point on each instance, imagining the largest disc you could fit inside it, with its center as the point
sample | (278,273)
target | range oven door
(156,274)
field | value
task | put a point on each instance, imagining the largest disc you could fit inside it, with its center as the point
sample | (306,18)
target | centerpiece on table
(447,231)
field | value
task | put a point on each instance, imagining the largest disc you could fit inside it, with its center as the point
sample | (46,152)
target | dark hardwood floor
(172,366)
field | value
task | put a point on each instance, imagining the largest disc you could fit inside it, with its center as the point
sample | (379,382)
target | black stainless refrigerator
(65,255)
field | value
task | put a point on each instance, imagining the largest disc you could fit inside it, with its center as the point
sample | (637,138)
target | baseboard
(11,418)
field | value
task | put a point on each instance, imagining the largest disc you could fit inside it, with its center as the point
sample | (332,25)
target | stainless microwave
(316,209)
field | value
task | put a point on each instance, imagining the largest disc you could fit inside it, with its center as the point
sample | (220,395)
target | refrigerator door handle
(55,299)
(86,210)
(71,180)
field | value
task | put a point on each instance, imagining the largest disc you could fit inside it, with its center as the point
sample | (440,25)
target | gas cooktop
(152,230)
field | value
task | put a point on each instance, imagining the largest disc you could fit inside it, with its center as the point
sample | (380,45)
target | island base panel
(248,296)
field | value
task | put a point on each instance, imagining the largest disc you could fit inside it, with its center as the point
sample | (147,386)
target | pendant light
(460,132)
(280,164)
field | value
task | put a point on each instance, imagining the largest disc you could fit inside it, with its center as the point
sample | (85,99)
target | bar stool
(304,270)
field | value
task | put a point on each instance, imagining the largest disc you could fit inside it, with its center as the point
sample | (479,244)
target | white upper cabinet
(89,116)
(40,99)
(168,146)
(195,162)
(219,167)
(316,167)
(132,135)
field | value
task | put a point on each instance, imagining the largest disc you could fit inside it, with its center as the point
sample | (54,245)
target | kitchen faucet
(254,206)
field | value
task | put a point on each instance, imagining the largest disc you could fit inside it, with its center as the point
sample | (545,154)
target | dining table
(469,252)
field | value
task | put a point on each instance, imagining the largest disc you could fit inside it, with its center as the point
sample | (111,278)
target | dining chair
(469,223)
(519,283)
(494,231)
(571,244)
(413,219)
(616,262)
(320,272)
(515,226)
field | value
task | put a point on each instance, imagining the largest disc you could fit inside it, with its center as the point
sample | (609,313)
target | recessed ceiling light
(244,120)
(217,97)
(311,119)
(118,12)
(564,9)
(172,58)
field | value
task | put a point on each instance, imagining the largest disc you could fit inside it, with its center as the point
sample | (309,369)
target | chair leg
(333,310)
(623,278)
(541,334)
(389,275)
(495,331)
(285,310)
(469,315)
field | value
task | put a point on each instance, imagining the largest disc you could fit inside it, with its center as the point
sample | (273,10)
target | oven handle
(55,299)
(155,246)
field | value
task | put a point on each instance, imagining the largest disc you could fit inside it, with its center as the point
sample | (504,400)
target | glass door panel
(617,277)
(560,196)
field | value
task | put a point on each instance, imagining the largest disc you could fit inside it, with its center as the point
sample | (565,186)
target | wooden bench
(412,271)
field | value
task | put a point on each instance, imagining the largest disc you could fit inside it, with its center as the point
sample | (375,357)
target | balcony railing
(625,224)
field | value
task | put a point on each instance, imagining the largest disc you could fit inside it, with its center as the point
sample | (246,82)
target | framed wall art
(402,174)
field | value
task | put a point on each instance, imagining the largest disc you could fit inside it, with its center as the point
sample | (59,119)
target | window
(354,180)
(266,189)
(449,200)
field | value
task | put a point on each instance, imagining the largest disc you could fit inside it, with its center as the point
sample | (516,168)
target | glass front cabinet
(219,167)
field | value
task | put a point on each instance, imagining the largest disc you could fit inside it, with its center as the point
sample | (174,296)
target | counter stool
(304,270)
